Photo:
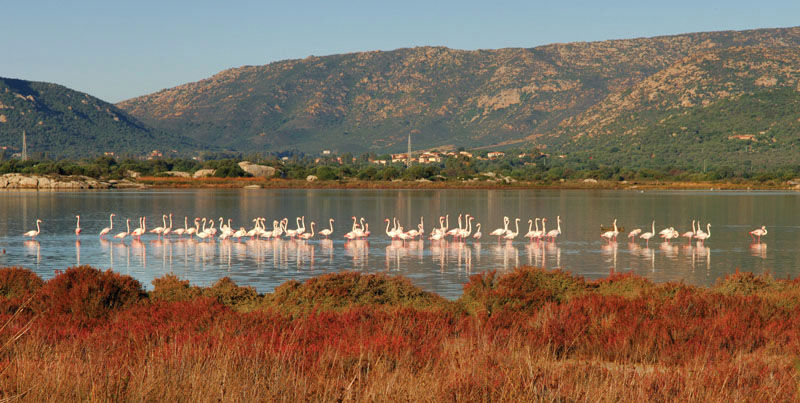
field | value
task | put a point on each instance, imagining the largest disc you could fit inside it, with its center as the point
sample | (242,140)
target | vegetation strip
(92,334)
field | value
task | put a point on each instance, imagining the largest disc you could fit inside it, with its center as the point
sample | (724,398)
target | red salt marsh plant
(527,334)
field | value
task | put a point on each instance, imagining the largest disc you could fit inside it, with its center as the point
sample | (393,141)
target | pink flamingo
(758,232)
(325,232)
(108,229)
(647,235)
(33,234)
(556,232)
(122,235)
(611,235)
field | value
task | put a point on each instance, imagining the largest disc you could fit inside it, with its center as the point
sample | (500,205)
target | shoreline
(272,183)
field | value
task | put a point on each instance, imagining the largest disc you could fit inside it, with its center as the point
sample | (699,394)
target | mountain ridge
(371,101)
(62,122)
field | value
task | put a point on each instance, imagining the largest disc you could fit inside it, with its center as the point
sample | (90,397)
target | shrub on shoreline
(346,289)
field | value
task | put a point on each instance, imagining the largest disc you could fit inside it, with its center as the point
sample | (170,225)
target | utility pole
(24,147)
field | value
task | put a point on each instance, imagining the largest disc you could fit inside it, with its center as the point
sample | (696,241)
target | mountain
(65,123)
(720,105)
(574,95)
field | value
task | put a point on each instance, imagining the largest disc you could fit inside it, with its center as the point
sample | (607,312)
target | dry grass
(621,338)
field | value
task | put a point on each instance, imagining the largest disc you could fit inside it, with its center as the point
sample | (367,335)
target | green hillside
(497,98)
(60,122)
(737,106)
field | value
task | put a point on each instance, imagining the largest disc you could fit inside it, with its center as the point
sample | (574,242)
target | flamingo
(228,231)
(634,233)
(239,233)
(647,235)
(122,235)
(365,225)
(413,233)
(291,233)
(168,230)
(159,230)
(389,232)
(108,229)
(302,228)
(252,233)
(352,234)
(78,226)
(138,232)
(538,234)
(403,236)
(455,231)
(689,234)
(758,232)
(204,234)
(513,235)
(500,231)
(699,230)
(306,236)
(464,234)
(325,232)
(33,234)
(556,232)
(669,233)
(441,228)
(181,231)
(477,235)
(705,235)
(531,233)
(192,230)
(360,232)
(611,235)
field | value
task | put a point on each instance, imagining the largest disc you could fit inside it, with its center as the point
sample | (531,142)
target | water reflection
(758,250)
(34,248)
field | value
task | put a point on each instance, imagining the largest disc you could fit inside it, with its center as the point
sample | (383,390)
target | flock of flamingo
(671,233)
(360,230)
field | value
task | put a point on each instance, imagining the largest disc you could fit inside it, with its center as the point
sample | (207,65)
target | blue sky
(118,51)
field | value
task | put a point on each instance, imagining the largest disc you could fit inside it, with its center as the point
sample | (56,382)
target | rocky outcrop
(203,173)
(259,171)
(21,181)
(178,174)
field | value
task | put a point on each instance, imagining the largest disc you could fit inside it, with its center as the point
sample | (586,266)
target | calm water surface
(439,267)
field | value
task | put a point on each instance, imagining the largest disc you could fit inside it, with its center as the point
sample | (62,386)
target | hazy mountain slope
(65,123)
(372,100)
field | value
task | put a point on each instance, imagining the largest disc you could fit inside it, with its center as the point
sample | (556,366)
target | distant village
(427,157)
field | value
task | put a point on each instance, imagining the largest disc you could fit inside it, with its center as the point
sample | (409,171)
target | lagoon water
(439,267)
